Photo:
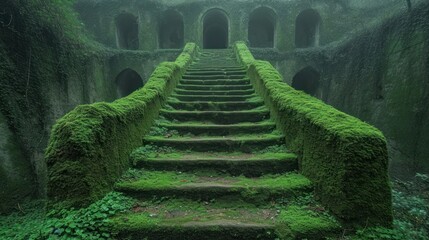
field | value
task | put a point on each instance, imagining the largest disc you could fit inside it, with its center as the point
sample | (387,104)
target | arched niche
(171,30)
(307,80)
(127,31)
(215,30)
(127,82)
(262,25)
(307,29)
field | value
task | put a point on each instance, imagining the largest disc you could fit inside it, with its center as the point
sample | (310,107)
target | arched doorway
(215,30)
(127,31)
(307,80)
(262,24)
(127,82)
(307,28)
(171,30)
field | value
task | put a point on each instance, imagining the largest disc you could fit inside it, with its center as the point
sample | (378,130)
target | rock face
(16,173)
(382,77)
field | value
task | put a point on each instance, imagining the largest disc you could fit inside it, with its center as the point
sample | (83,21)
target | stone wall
(338,19)
(381,77)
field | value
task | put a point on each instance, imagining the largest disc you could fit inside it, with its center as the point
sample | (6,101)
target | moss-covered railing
(345,158)
(89,147)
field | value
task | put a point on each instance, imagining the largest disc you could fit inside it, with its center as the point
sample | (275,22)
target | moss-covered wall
(381,77)
(48,66)
(339,18)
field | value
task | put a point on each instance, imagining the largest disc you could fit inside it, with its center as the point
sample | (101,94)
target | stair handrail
(89,147)
(344,157)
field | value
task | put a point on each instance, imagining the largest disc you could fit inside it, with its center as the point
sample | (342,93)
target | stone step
(235,164)
(214,92)
(213,98)
(197,68)
(214,87)
(212,77)
(178,219)
(214,106)
(147,184)
(211,72)
(217,117)
(181,218)
(245,143)
(211,129)
(216,82)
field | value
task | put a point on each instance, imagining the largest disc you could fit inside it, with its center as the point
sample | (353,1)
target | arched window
(307,80)
(171,30)
(307,28)
(127,31)
(127,82)
(215,30)
(262,25)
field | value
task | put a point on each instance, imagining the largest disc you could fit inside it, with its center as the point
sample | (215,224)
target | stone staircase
(214,167)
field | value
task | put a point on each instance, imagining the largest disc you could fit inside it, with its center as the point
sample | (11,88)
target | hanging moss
(345,158)
(89,147)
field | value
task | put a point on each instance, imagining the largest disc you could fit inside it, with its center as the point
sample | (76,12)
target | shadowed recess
(215,30)
(127,82)
(262,25)
(171,30)
(127,31)
(307,80)
(307,28)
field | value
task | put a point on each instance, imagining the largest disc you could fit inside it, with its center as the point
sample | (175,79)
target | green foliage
(149,151)
(345,158)
(92,222)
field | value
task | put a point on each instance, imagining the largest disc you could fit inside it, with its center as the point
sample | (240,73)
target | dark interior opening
(215,30)
(127,82)
(127,31)
(307,80)
(307,29)
(171,30)
(262,28)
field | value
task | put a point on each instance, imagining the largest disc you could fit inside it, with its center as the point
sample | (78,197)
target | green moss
(296,222)
(89,147)
(345,158)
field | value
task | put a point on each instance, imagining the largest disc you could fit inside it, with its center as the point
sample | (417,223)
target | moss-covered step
(213,98)
(216,82)
(218,117)
(245,143)
(214,106)
(147,184)
(211,129)
(185,219)
(214,92)
(218,72)
(211,77)
(214,87)
(235,164)
(222,219)
(212,69)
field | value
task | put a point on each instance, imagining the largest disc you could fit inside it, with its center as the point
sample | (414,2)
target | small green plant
(86,223)
(149,151)
(274,149)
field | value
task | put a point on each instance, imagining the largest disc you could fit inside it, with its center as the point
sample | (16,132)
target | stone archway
(127,31)
(262,25)
(307,80)
(171,30)
(215,30)
(127,82)
(307,29)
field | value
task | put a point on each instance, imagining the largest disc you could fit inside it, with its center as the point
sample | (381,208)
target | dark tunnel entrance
(127,82)
(215,30)
(171,30)
(307,28)
(262,28)
(127,31)
(307,80)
